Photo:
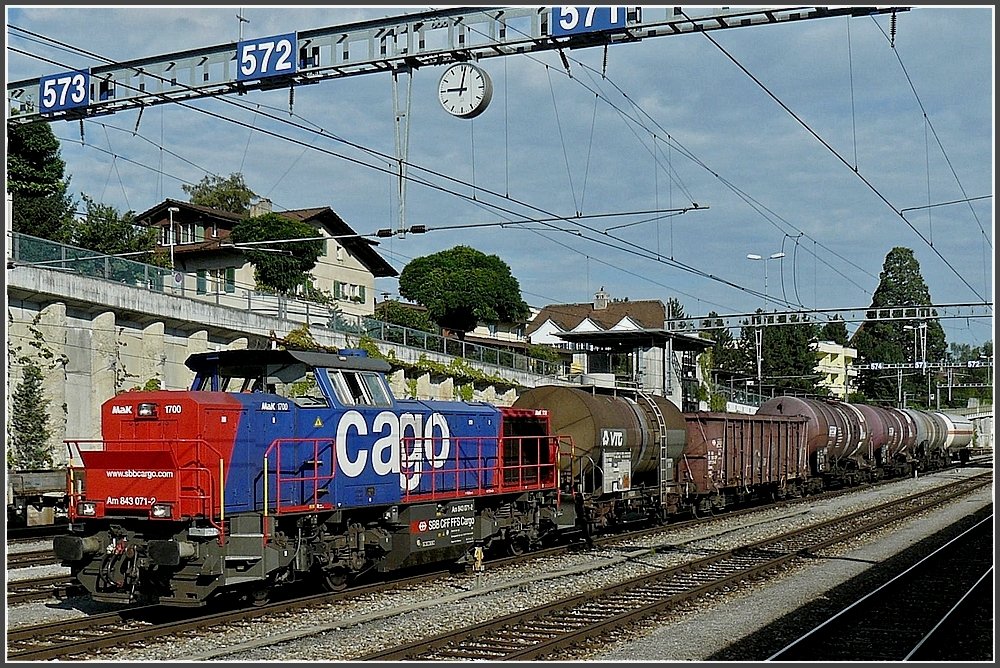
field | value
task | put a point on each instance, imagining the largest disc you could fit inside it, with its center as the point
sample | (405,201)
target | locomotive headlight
(161,511)
(86,508)
(147,410)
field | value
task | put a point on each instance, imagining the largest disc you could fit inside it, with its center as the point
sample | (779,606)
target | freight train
(280,466)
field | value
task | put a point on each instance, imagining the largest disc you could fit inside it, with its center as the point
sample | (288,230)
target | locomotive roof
(257,358)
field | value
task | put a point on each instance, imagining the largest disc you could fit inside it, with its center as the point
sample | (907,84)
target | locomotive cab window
(294,381)
(359,388)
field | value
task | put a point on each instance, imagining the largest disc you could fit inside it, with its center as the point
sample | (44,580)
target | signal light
(86,508)
(147,410)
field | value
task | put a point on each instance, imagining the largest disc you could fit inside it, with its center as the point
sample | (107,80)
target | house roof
(159,211)
(649,313)
(359,246)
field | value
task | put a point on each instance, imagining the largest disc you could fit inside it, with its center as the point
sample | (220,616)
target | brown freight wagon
(731,459)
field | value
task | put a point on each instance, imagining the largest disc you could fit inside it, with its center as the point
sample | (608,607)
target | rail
(476,466)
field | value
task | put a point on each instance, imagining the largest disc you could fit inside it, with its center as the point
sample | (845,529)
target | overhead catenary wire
(596,240)
(627,247)
(668,146)
(865,180)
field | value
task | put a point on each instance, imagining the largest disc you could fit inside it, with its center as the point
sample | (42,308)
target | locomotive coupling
(171,552)
(75,548)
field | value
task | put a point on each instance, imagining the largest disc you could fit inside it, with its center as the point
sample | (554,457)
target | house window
(340,253)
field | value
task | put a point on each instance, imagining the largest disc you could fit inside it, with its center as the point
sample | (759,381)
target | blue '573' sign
(575,20)
(66,90)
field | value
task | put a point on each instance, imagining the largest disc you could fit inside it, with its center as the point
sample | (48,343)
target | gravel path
(350,629)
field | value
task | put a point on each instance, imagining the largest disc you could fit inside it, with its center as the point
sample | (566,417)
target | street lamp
(171,210)
(759,332)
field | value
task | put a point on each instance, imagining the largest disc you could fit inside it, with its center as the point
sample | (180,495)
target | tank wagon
(280,466)
(850,443)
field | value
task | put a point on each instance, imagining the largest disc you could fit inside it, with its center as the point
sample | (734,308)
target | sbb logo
(421,525)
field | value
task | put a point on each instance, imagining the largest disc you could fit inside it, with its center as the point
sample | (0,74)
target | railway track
(55,586)
(35,532)
(542,632)
(43,557)
(911,617)
(81,638)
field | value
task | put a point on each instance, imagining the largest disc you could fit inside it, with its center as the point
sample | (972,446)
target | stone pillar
(51,323)
(152,365)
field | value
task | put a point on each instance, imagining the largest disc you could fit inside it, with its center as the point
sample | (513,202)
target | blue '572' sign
(265,57)
(575,20)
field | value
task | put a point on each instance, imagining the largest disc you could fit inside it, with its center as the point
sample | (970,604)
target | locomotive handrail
(477,467)
(307,503)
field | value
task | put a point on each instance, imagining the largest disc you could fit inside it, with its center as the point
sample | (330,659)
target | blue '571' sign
(575,20)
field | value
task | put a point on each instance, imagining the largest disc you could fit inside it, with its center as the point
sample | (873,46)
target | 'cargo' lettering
(427,442)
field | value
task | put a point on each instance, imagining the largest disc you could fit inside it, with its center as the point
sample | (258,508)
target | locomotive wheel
(517,546)
(335,580)
(260,596)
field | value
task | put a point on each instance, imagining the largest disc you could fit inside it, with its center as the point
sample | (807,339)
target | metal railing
(47,254)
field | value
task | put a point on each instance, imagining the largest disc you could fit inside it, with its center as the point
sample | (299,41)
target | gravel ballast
(351,629)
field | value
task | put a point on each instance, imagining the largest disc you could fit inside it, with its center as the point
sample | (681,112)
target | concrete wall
(95,338)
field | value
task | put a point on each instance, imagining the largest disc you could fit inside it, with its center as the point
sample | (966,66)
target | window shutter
(202,282)
(361,293)
(230,279)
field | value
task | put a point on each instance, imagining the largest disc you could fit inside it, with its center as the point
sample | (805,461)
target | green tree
(462,287)
(675,310)
(28,429)
(836,331)
(226,194)
(281,267)
(788,362)
(395,312)
(35,179)
(731,359)
(900,284)
(105,230)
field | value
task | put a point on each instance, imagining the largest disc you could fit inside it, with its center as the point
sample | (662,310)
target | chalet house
(207,265)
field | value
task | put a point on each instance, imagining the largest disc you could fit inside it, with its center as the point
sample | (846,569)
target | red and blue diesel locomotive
(280,466)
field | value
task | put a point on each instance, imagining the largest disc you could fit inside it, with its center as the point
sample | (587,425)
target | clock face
(465,90)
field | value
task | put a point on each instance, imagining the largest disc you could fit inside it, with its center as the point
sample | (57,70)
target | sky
(830,140)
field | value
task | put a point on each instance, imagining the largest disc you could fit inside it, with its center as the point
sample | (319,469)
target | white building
(207,265)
